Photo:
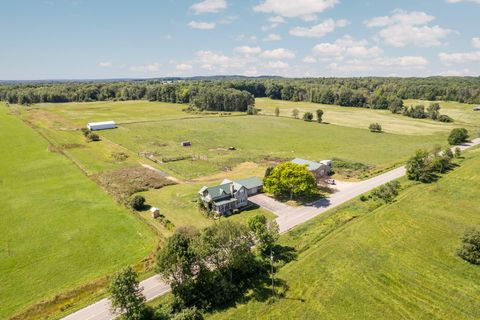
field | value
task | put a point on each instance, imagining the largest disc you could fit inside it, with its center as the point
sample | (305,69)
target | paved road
(288,217)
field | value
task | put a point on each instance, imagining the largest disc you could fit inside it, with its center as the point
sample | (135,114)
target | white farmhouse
(94,126)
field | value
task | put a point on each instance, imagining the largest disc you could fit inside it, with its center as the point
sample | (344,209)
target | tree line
(235,95)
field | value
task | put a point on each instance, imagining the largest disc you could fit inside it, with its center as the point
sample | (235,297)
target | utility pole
(272,272)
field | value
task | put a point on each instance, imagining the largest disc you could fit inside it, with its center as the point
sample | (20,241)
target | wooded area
(237,94)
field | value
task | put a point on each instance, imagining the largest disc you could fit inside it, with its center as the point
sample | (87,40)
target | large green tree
(290,179)
(126,294)
(266,233)
(419,167)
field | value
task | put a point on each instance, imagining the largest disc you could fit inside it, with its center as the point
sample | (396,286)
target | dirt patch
(122,183)
(49,119)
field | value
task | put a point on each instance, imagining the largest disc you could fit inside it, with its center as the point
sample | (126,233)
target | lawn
(59,229)
(396,262)
(393,123)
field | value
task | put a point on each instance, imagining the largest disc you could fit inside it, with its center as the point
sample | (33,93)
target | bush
(444,118)
(458,152)
(375,127)
(119,156)
(418,167)
(308,116)
(295,113)
(137,202)
(470,247)
(458,136)
(277,112)
(251,110)
(319,115)
(387,192)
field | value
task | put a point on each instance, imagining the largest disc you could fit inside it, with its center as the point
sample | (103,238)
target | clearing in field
(59,229)
(398,260)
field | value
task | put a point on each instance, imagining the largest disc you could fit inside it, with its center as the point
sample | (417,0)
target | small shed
(477,108)
(185,143)
(94,126)
(155,212)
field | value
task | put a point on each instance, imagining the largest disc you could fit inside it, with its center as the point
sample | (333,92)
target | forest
(236,94)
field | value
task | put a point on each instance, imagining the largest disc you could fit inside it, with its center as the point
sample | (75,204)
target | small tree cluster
(432,112)
(458,136)
(375,127)
(210,268)
(290,179)
(423,165)
(90,135)
(470,247)
(387,192)
(308,116)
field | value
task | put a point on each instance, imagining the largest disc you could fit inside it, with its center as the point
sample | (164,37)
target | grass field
(58,228)
(396,262)
(393,123)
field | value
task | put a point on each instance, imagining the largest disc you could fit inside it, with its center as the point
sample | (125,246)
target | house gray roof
(219,191)
(250,183)
(312,166)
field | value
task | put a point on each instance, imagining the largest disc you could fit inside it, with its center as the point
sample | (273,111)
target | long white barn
(101,125)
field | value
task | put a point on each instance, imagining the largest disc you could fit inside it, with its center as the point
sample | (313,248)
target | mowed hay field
(392,123)
(58,229)
(397,262)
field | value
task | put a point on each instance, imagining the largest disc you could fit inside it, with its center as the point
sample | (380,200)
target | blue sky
(88,39)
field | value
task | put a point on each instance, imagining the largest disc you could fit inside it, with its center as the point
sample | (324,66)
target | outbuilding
(94,126)
(185,143)
(477,108)
(155,212)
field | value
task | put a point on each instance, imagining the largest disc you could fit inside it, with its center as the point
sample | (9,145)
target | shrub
(458,136)
(277,112)
(363,198)
(395,104)
(251,110)
(470,247)
(295,113)
(137,202)
(119,156)
(319,115)
(375,127)
(308,116)
(444,118)
(458,152)
(387,192)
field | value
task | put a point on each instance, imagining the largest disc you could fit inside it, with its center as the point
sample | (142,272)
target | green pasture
(58,229)
(392,123)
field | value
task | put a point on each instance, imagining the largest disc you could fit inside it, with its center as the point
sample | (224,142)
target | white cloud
(309,59)
(184,67)
(320,29)
(105,64)
(277,65)
(380,64)
(280,53)
(272,37)
(346,46)
(403,28)
(276,19)
(209,6)
(305,9)
(456,73)
(247,50)
(458,1)
(148,68)
(459,57)
(202,25)
(243,37)
(476,43)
